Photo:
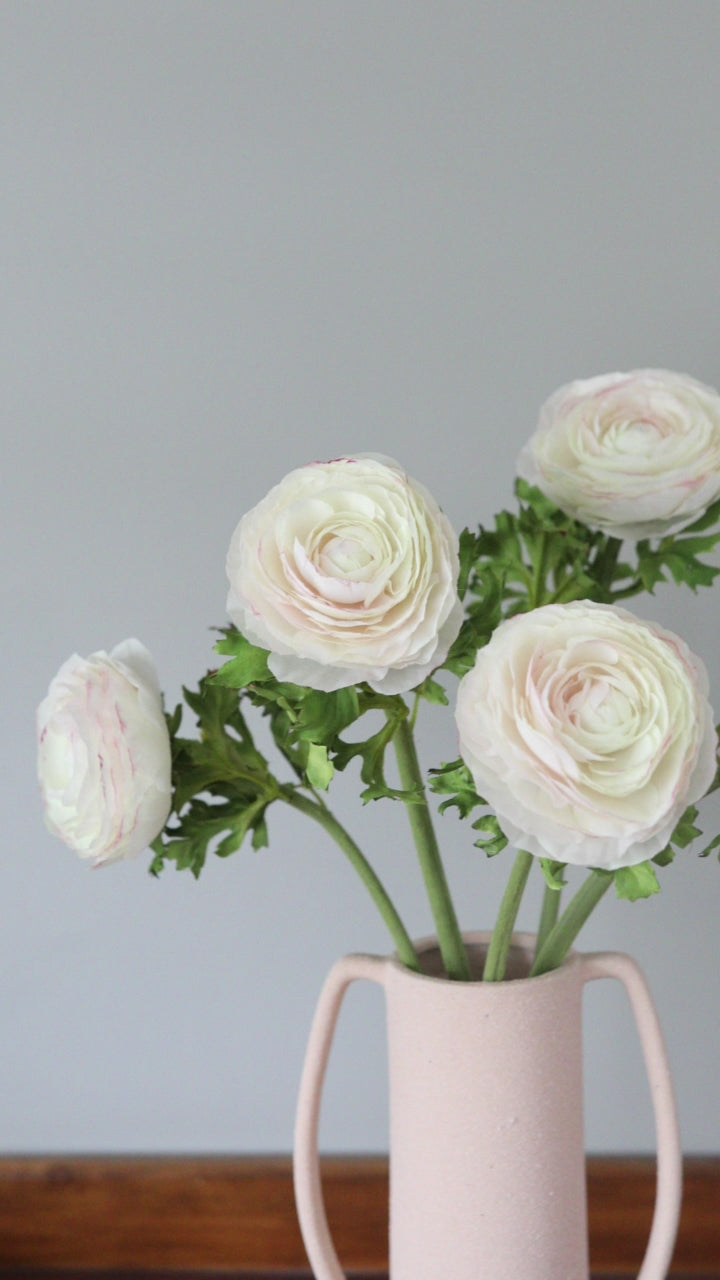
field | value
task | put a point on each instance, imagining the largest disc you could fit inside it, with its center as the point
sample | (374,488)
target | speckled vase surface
(487,1156)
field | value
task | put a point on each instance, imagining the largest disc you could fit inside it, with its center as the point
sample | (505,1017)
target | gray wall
(237,237)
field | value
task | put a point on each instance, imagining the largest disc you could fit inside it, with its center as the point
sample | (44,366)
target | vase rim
(522,942)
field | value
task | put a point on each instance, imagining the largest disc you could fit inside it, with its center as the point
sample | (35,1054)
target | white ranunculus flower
(347,571)
(636,455)
(588,731)
(104,754)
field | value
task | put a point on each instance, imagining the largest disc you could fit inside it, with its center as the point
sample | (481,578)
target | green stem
(320,813)
(565,592)
(561,938)
(548,915)
(496,959)
(448,931)
(631,589)
(537,589)
(606,562)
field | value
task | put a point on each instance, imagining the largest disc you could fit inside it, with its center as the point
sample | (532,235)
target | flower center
(635,438)
(343,557)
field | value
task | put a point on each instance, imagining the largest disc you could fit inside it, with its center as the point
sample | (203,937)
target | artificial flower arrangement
(586,736)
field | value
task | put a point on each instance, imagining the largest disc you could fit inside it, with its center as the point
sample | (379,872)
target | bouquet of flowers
(585,734)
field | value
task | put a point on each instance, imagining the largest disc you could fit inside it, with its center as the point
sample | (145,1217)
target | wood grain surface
(187,1215)
(247,1275)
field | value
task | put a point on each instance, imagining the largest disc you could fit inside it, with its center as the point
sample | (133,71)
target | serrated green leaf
(467,552)
(455,782)
(260,838)
(537,501)
(247,663)
(686,570)
(491,847)
(553,872)
(174,721)
(371,750)
(242,823)
(319,768)
(494,839)
(714,844)
(705,521)
(665,856)
(322,716)
(686,831)
(432,691)
(679,554)
(633,883)
(650,571)
(689,547)
(380,791)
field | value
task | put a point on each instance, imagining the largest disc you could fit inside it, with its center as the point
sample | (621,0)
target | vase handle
(306,1164)
(668,1196)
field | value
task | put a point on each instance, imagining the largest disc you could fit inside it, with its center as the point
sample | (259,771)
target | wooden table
(235,1275)
(203,1218)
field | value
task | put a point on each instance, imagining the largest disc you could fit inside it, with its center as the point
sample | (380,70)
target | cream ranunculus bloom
(588,731)
(634,454)
(346,572)
(104,754)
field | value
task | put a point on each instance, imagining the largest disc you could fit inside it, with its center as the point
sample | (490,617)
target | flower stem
(632,589)
(562,936)
(448,931)
(606,562)
(537,590)
(548,915)
(320,813)
(496,959)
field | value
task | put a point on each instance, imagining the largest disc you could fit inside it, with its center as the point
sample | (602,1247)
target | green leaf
(633,883)
(247,663)
(222,784)
(714,844)
(468,550)
(245,821)
(680,554)
(706,521)
(686,831)
(260,838)
(381,791)
(455,781)
(432,692)
(553,872)
(494,840)
(319,767)
(158,862)
(665,856)
(371,750)
(690,571)
(482,617)
(174,721)
(322,716)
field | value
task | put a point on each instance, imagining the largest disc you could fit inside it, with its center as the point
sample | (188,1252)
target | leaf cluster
(539,555)
(454,781)
(641,880)
(222,784)
(308,725)
(679,555)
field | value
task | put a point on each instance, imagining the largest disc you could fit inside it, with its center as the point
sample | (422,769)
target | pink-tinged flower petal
(588,731)
(636,455)
(347,572)
(104,760)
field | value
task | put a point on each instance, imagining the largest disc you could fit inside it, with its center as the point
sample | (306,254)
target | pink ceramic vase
(487,1157)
